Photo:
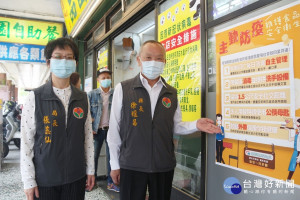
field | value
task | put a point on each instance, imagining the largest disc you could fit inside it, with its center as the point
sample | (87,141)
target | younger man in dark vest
(144,116)
(57,144)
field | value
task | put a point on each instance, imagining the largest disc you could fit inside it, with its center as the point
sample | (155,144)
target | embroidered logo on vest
(166,102)
(78,112)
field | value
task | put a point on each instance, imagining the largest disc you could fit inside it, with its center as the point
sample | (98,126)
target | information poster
(179,32)
(258,97)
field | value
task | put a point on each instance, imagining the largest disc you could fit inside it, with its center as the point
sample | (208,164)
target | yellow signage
(179,32)
(72,10)
(258,78)
(102,60)
(29,31)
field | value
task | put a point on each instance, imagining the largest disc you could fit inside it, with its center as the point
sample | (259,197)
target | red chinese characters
(244,37)
(278,112)
(277,77)
(183,38)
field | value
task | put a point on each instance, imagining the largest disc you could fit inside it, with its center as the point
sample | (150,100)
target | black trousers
(219,149)
(70,191)
(133,185)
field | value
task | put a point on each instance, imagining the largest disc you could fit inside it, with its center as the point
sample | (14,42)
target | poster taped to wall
(258,96)
(179,33)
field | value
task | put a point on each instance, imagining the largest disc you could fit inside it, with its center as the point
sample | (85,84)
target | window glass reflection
(219,8)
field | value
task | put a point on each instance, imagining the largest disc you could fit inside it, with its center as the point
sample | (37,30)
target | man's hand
(94,132)
(31,192)
(90,182)
(207,125)
(115,175)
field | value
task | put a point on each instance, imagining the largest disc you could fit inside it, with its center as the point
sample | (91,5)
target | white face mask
(152,69)
(62,68)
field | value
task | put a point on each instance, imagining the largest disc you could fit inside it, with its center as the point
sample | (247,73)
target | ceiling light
(147,29)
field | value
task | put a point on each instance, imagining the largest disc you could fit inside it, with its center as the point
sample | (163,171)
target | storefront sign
(179,32)
(258,93)
(28,31)
(260,158)
(22,52)
(72,10)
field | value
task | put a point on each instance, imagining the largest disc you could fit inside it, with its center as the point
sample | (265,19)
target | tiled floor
(11,187)
(112,195)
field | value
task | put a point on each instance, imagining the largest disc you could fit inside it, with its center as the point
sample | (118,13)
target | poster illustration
(258,96)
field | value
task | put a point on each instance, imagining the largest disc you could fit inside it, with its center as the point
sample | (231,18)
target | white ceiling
(36,9)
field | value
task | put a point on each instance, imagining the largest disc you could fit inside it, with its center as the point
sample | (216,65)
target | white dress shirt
(104,120)
(113,136)
(28,131)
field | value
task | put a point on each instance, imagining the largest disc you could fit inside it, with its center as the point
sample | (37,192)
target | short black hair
(61,43)
(219,115)
(298,120)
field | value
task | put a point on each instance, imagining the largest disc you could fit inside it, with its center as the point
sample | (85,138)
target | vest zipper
(151,150)
(152,157)
(41,147)
(66,145)
(65,151)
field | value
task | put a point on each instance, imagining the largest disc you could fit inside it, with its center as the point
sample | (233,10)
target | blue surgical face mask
(105,83)
(152,69)
(62,68)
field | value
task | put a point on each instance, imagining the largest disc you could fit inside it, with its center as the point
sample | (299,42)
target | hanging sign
(22,52)
(72,9)
(29,31)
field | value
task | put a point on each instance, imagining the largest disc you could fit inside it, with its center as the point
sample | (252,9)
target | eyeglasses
(69,57)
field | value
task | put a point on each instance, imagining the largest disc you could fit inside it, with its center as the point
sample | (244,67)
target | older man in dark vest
(144,116)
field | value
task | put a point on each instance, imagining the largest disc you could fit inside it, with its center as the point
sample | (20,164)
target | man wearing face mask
(57,146)
(100,100)
(144,116)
